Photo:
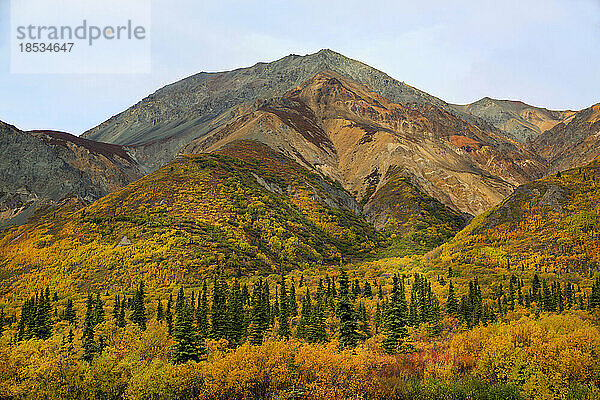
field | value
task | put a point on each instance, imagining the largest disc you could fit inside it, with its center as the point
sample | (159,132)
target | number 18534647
(46,47)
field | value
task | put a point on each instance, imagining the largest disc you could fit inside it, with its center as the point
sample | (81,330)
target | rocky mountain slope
(162,123)
(352,131)
(345,131)
(520,121)
(573,142)
(41,168)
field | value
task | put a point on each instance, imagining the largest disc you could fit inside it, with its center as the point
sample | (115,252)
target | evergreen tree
(536,288)
(594,301)
(69,313)
(169,314)
(116,308)
(235,313)
(179,302)
(348,326)
(89,345)
(363,320)
(395,318)
(43,318)
(121,317)
(452,302)
(284,313)
(293,304)
(378,318)
(219,323)
(512,291)
(160,315)
(368,290)
(188,346)
(98,310)
(36,321)
(305,318)
(202,313)
(138,315)
(259,316)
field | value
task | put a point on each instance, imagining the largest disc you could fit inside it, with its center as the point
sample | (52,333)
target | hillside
(549,226)
(41,168)
(520,121)
(572,143)
(196,215)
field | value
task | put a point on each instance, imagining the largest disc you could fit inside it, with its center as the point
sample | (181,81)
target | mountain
(197,215)
(245,209)
(520,121)
(549,225)
(345,131)
(185,108)
(573,142)
(40,168)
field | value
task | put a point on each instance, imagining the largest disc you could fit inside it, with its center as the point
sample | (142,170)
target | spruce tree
(89,345)
(219,322)
(259,317)
(293,303)
(42,324)
(188,346)
(69,314)
(121,317)
(284,312)
(452,302)
(116,308)
(169,314)
(98,310)
(305,318)
(348,327)
(202,313)
(138,315)
(235,315)
(594,300)
(395,318)
(179,302)
(160,314)
(363,320)
(368,290)
(536,289)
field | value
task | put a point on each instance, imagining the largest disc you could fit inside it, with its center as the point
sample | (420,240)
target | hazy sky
(544,52)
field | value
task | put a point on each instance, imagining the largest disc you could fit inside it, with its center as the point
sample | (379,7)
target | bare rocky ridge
(161,124)
(41,168)
(520,121)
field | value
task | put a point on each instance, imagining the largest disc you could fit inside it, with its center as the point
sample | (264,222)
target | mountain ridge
(41,168)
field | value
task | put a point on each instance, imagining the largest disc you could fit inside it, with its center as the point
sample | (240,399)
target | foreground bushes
(550,358)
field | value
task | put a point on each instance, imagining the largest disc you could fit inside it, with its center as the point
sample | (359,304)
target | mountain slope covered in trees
(197,214)
(549,226)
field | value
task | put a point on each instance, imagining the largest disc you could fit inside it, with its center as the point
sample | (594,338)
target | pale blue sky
(544,52)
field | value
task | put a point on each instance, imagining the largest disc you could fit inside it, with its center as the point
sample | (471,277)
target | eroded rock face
(355,136)
(40,168)
(351,122)
(572,143)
